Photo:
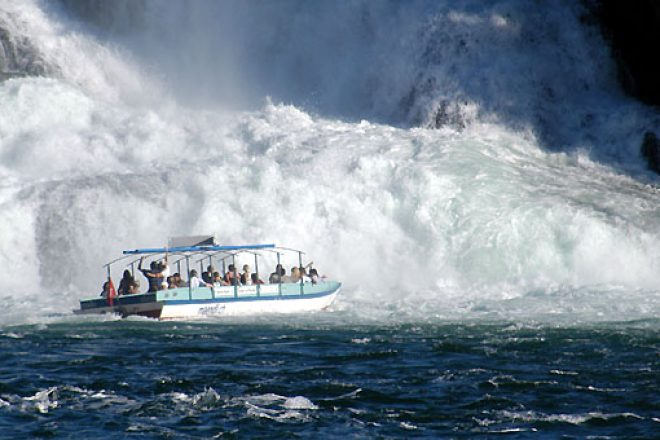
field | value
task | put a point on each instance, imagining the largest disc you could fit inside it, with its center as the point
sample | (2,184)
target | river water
(470,172)
(318,378)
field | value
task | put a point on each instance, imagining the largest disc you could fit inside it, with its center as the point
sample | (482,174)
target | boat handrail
(138,259)
(276,248)
(223,255)
(115,260)
(208,251)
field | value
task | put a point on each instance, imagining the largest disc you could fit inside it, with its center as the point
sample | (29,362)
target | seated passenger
(217,280)
(231,277)
(178,281)
(105,290)
(171,282)
(285,278)
(109,291)
(195,281)
(246,276)
(295,275)
(314,275)
(304,277)
(255,279)
(276,276)
(208,275)
(127,285)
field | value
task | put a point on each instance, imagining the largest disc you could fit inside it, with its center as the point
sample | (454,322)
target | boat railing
(274,290)
(244,292)
(218,253)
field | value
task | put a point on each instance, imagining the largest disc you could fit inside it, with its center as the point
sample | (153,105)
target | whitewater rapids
(419,224)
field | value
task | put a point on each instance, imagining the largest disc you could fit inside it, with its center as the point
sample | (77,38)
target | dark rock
(422,107)
(633,31)
(651,151)
(18,57)
(448,114)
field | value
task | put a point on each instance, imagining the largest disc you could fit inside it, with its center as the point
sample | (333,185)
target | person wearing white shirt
(195,281)
(164,272)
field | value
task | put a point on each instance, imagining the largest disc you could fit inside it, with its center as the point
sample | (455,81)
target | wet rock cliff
(633,32)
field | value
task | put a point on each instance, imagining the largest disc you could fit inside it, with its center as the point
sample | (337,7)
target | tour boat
(188,302)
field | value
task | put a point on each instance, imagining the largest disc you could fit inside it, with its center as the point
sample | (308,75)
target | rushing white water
(474,219)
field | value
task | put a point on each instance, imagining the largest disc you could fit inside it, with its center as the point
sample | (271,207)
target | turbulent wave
(133,135)
(172,379)
(544,69)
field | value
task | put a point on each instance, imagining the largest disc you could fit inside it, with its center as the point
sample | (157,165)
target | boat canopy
(211,248)
(192,240)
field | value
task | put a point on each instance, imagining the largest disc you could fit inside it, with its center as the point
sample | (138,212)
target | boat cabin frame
(192,255)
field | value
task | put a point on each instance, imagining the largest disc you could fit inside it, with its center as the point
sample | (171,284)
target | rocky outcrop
(18,57)
(651,151)
(425,106)
(633,30)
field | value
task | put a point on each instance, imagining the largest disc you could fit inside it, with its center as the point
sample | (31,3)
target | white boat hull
(248,308)
(185,303)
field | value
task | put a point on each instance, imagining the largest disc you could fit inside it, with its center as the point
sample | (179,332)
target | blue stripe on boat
(245,298)
(197,249)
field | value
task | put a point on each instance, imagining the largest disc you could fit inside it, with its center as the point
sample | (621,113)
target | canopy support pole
(188,270)
(233,262)
(256,270)
(279,276)
(300,268)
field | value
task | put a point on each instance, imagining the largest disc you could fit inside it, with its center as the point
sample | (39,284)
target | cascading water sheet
(474,219)
(470,172)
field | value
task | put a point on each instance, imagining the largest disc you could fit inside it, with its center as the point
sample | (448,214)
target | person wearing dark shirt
(127,285)
(231,277)
(276,276)
(255,278)
(207,276)
(153,274)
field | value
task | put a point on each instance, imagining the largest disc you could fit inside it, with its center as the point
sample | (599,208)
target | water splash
(418,224)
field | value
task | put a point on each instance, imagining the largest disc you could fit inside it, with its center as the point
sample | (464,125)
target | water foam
(417,223)
(545,69)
